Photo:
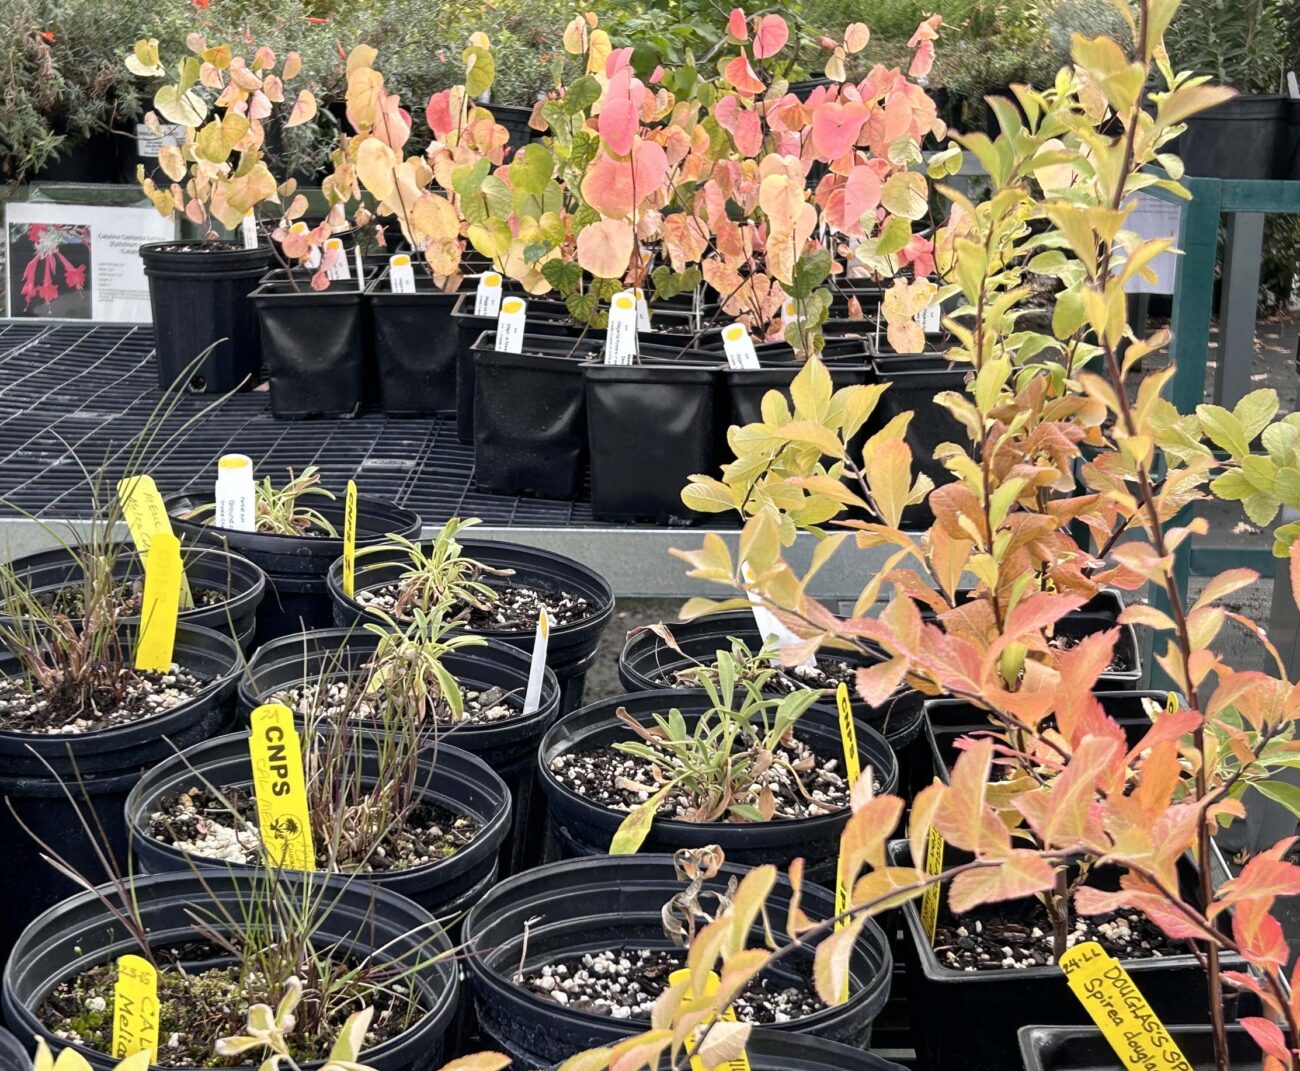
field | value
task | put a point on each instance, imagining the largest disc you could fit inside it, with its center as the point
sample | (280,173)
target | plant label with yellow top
(135,1008)
(512,321)
(145,514)
(313,254)
(642,311)
(736,1063)
(278,783)
(1121,1013)
(739,347)
(620,335)
(338,269)
(248,230)
(487,298)
(236,493)
(933,868)
(401,276)
(162,593)
(537,668)
(350,540)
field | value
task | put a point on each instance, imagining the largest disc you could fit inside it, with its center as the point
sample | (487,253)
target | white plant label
(739,347)
(511,323)
(149,143)
(313,254)
(339,269)
(929,320)
(487,298)
(249,231)
(537,668)
(769,625)
(236,495)
(642,311)
(790,311)
(620,335)
(361,266)
(401,276)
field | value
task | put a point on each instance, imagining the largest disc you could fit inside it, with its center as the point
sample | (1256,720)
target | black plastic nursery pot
(1083,1048)
(98,768)
(447,776)
(415,346)
(239,584)
(13,1055)
(1289,159)
(650,426)
(574,908)
(314,344)
(914,382)
(969,1019)
(1242,138)
(582,827)
(745,387)
(530,416)
(80,933)
(771,1050)
(571,649)
(199,292)
(647,663)
(509,746)
(514,117)
(295,566)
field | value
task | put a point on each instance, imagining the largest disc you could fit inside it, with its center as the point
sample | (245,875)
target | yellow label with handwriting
(1171,703)
(933,867)
(350,540)
(135,1008)
(145,514)
(711,983)
(279,786)
(1121,1013)
(156,640)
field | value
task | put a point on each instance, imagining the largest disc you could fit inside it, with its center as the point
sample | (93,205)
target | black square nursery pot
(651,426)
(314,344)
(1083,1048)
(530,420)
(415,345)
(199,294)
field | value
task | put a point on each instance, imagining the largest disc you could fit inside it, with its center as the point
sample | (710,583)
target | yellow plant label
(145,514)
(350,540)
(933,867)
(736,1063)
(162,591)
(1121,1013)
(279,786)
(848,734)
(135,1008)
(1171,703)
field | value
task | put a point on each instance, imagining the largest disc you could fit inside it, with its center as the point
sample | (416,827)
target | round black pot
(959,1018)
(1242,138)
(314,343)
(98,769)
(447,776)
(199,293)
(571,650)
(646,660)
(81,933)
(914,382)
(296,566)
(596,904)
(13,1056)
(243,583)
(415,346)
(1083,1048)
(667,405)
(530,420)
(509,747)
(514,117)
(582,828)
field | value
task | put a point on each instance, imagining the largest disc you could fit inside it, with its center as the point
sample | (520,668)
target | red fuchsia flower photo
(58,261)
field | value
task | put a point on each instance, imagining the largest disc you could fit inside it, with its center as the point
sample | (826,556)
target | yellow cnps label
(491,279)
(350,540)
(145,514)
(1121,1013)
(848,734)
(711,983)
(734,333)
(278,784)
(156,639)
(512,305)
(135,1008)
(1171,703)
(933,867)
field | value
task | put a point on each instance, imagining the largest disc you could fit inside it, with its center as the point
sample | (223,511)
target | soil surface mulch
(136,695)
(128,596)
(199,822)
(622,782)
(516,609)
(828,674)
(623,984)
(197,1008)
(342,699)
